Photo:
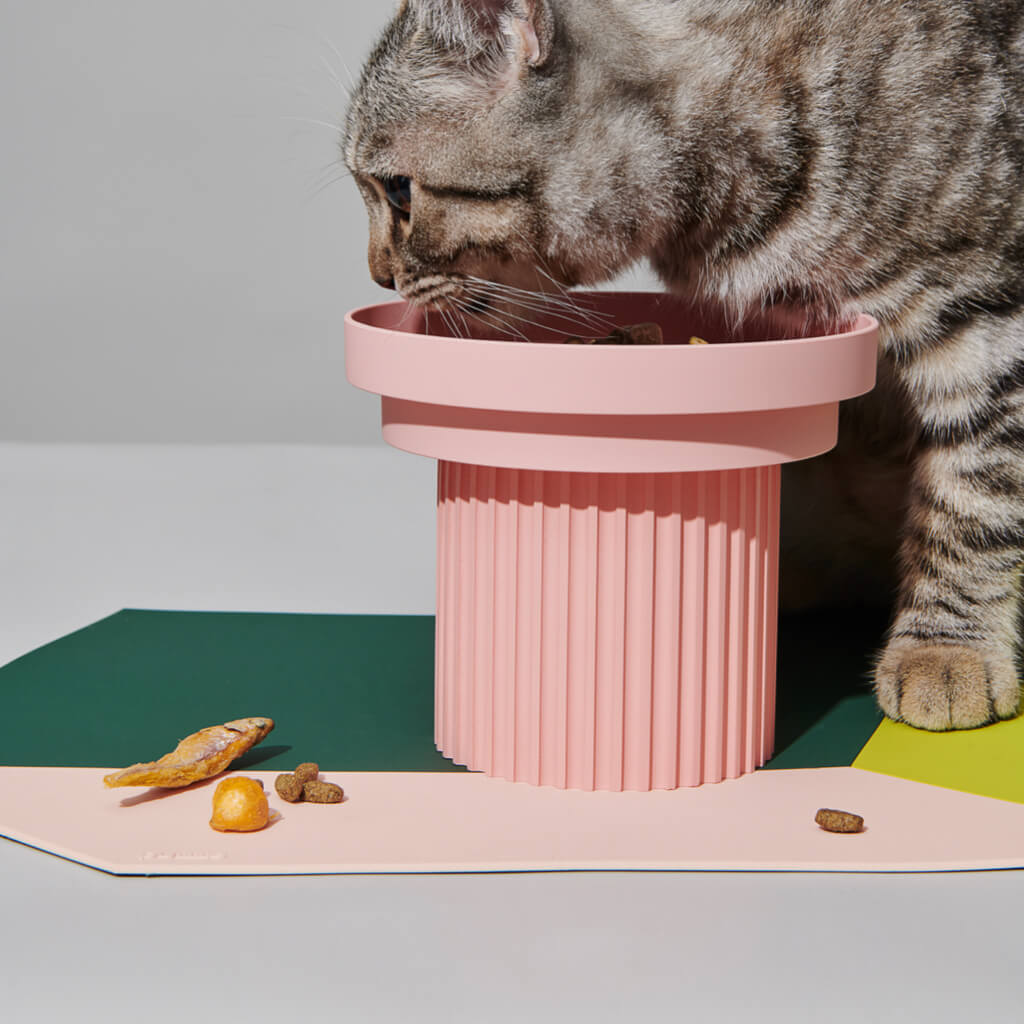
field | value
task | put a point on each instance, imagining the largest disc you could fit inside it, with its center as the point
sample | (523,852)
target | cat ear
(533,23)
(525,25)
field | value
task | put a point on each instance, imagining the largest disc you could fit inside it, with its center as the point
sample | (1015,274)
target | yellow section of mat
(987,762)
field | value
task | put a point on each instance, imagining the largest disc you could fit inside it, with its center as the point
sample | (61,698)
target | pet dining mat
(355,694)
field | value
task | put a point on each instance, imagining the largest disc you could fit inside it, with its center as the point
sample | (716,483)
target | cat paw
(945,686)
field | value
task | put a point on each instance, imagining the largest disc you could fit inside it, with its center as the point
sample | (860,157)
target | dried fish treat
(839,821)
(289,787)
(307,771)
(239,805)
(200,756)
(317,792)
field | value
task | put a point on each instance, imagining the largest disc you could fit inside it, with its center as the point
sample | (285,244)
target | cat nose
(385,281)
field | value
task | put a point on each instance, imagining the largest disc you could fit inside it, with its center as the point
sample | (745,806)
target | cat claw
(945,686)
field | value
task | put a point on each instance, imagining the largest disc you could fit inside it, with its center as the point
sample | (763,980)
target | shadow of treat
(258,755)
(162,792)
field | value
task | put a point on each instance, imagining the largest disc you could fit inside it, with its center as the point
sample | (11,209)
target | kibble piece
(317,792)
(289,787)
(644,334)
(839,821)
(635,334)
(239,805)
(307,771)
(698,341)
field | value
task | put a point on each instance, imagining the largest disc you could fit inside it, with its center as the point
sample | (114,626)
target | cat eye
(399,194)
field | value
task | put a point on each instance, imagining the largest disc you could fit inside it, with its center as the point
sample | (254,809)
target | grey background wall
(179,244)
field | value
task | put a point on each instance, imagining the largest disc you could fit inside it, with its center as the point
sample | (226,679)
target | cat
(818,158)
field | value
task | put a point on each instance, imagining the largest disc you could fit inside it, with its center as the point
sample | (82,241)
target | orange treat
(239,805)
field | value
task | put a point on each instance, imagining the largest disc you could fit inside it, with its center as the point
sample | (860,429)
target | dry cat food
(636,334)
(200,756)
(239,805)
(307,771)
(839,821)
(305,784)
(288,788)
(317,792)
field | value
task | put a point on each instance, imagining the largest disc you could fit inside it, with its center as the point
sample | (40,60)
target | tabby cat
(816,157)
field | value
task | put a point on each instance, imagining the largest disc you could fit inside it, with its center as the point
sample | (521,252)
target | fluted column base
(606,631)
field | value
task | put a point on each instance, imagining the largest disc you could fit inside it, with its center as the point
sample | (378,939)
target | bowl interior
(593,314)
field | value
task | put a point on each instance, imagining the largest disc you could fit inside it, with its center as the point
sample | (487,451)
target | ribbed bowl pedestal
(606,630)
(607,535)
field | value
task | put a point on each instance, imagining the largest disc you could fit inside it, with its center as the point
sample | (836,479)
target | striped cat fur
(815,158)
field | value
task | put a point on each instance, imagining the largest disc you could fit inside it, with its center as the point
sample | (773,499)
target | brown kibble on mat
(289,788)
(317,792)
(239,805)
(307,771)
(839,821)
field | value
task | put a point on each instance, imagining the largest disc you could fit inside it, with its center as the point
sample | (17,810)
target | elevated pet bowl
(607,532)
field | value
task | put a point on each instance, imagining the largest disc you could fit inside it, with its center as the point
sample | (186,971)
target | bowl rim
(862,324)
(609,379)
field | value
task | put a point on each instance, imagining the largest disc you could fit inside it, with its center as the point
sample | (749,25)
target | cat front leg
(951,657)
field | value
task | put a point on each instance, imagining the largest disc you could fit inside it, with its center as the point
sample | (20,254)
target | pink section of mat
(426,822)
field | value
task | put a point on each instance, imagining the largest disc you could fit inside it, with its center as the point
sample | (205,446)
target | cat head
(489,145)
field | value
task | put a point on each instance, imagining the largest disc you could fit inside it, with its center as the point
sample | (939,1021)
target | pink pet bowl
(607,533)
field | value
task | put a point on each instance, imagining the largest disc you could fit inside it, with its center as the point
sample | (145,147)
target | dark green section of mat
(353,692)
(825,710)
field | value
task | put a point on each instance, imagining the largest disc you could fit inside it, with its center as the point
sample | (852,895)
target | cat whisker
(465,322)
(537,298)
(492,318)
(327,184)
(565,302)
(540,264)
(409,307)
(506,313)
(544,305)
(336,128)
(538,269)
(449,319)
(346,90)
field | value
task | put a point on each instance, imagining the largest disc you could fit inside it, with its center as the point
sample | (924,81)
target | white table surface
(86,530)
